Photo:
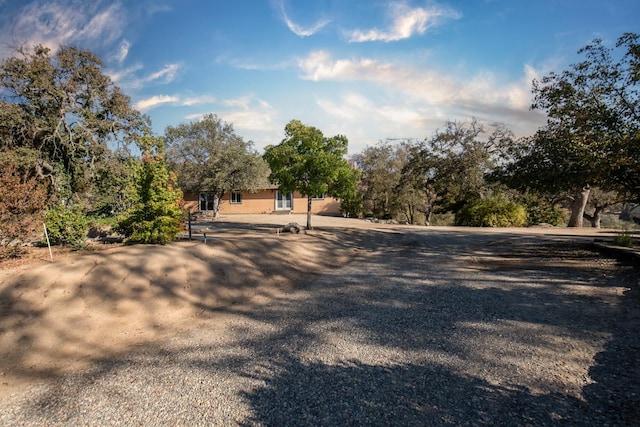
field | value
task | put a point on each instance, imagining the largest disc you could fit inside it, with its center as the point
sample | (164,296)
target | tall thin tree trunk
(216,205)
(578,205)
(309,213)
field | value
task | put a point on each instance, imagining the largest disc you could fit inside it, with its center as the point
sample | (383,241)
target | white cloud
(155,101)
(405,22)
(127,78)
(426,85)
(249,113)
(300,30)
(197,100)
(245,113)
(353,106)
(357,108)
(410,102)
(166,74)
(123,51)
(122,75)
(52,24)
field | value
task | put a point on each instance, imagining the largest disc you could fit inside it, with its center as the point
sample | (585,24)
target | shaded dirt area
(59,317)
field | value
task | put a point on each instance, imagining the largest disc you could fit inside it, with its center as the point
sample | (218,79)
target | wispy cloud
(249,113)
(405,22)
(427,84)
(298,29)
(123,51)
(198,100)
(167,74)
(417,97)
(52,24)
(129,78)
(188,101)
(357,108)
(154,101)
(121,76)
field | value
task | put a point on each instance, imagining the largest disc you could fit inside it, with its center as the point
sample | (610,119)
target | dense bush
(351,205)
(443,219)
(67,225)
(492,212)
(540,211)
(21,204)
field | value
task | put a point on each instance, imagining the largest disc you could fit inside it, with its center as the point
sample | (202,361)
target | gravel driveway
(424,328)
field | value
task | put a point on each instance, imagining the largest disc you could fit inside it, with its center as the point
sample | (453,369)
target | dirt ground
(62,316)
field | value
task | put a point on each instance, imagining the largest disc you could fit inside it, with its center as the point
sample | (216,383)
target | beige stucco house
(266,201)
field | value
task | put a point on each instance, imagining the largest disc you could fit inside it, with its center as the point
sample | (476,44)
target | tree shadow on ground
(353,393)
(616,369)
(425,310)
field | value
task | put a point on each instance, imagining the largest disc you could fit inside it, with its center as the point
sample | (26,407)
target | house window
(318,197)
(206,201)
(284,201)
(236,197)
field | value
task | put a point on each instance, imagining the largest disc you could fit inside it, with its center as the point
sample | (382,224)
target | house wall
(264,202)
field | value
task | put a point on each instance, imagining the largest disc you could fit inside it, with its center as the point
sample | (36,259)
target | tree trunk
(578,205)
(216,205)
(596,218)
(309,227)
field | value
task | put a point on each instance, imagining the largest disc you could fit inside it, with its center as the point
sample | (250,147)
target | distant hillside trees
(412,180)
(381,166)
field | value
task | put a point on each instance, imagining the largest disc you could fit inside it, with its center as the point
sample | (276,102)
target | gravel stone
(431,328)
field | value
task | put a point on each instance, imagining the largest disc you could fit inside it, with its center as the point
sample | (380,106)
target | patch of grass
(623,238)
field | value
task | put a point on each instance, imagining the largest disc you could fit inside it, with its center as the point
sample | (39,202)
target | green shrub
(351,205)
(443,219)
(492,212)
(67,225)
(541,211)
(622,239)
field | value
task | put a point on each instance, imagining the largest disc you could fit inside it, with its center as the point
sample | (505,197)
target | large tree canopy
(310,163)
(592,136)
(209,157)
(66,109)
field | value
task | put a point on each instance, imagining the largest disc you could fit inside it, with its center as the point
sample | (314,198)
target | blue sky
(366,69)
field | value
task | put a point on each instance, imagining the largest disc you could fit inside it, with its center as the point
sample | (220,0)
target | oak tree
(65,107)
(592,135)
(210,157)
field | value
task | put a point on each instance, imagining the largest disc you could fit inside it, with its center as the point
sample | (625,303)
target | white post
(48,243)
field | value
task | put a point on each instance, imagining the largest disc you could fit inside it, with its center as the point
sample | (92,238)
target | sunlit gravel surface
(429,328)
